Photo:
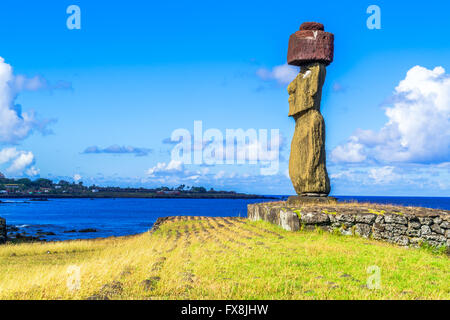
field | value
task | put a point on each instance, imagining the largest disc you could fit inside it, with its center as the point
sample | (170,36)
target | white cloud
(418,129)
(16,125)
(352,151)
(21,83)
(219,175)
(283,74)
(32,171)
(163,168)
(18,161)
(77,177)
(383,175)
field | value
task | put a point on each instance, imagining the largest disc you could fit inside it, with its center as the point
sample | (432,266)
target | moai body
(311,49)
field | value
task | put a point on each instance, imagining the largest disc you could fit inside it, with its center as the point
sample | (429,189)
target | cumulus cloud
(116,149)
(383,175)
(283,74)
(18,161)
(77,177)
(16,125)
(407,179)
(418,127)
(163,168)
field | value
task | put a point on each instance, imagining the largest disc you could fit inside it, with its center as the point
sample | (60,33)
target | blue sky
(136,71)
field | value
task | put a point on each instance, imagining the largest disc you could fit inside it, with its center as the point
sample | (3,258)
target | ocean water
(118,217)
(110,217)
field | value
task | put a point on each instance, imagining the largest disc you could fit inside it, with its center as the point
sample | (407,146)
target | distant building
(2,176)
(169,192)
(12,186)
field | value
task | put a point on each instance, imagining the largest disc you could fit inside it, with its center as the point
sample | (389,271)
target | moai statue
(311,49)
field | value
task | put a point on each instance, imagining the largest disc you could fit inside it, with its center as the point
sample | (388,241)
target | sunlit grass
(216,258)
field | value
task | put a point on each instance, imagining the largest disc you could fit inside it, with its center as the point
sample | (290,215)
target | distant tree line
(48,186)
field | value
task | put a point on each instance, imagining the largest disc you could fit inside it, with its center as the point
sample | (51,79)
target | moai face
(306,89)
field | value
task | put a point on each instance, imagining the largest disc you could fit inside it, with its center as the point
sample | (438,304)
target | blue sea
(119,217)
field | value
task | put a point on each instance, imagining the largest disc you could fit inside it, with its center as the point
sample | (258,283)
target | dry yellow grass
(221,258)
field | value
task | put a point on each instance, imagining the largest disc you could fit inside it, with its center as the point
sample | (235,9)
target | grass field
(222,258)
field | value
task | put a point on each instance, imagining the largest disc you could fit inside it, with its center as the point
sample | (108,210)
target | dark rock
(24,236)
(345,217)
(87,230)
(396,229)
(45,233)
(445,225)
(365,218)
(378,227)
(363,230)
(379,219)
(401,240)
(413,233)
(3,231)
(425,230)
(314,218)
(425,221)
(437,220)
(435,237)
(414,225)
(437,229)
(394,218)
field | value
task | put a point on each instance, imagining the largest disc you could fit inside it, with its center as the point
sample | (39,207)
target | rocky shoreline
(3,231)
(17,234)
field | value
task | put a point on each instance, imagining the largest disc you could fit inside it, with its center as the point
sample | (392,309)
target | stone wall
(396,224)
(2,230)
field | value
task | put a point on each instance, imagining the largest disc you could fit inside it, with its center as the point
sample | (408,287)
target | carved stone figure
(312,49)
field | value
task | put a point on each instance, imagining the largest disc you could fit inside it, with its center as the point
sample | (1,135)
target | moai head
(305,91)
(311,48)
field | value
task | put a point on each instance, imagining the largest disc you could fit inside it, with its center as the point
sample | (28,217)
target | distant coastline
(112,195)
(45,189)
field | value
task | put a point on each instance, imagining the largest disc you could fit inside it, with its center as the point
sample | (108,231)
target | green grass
(216,258)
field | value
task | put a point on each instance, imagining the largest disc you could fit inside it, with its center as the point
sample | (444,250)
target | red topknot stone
(310,44)
(312,26)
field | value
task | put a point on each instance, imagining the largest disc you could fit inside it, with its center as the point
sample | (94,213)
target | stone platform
(396,224)
(301,200)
